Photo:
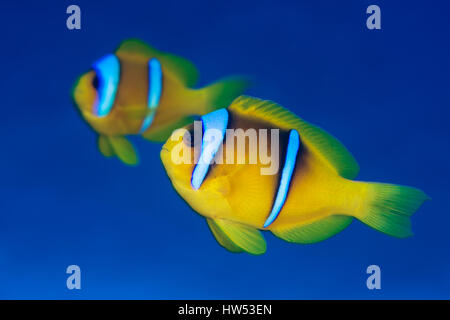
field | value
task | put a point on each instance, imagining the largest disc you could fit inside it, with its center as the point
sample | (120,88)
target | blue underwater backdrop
(384,93)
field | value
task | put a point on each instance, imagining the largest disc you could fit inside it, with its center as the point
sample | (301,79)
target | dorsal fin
(325,145)
(180,67)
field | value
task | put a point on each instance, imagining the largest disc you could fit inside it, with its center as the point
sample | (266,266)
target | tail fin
(221,93)
(389,208)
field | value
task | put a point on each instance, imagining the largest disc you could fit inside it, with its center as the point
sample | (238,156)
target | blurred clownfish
(310,197)
(139,90)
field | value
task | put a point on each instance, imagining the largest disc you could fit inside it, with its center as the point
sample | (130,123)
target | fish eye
(95,82)
(107,73)
(188,137)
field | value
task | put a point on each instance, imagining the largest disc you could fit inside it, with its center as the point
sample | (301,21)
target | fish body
(139,90)
(311,196)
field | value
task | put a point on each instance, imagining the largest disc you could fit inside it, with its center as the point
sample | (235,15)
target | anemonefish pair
(139,90)
(311,197)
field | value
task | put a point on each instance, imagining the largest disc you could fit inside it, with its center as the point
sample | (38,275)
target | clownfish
(309,198)
(139,90)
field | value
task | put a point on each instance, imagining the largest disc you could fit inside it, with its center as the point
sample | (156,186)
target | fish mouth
(166,160)
(164,153)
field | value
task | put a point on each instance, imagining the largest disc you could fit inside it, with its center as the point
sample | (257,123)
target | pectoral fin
(236,237)
(122,148)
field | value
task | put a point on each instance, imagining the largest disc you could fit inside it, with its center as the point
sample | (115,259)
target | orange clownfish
(308,197)
(139,90)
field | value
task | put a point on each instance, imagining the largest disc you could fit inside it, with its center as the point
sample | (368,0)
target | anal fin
(314,232)
(162,133)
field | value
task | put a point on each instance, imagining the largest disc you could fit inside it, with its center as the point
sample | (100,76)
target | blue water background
(384,93)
